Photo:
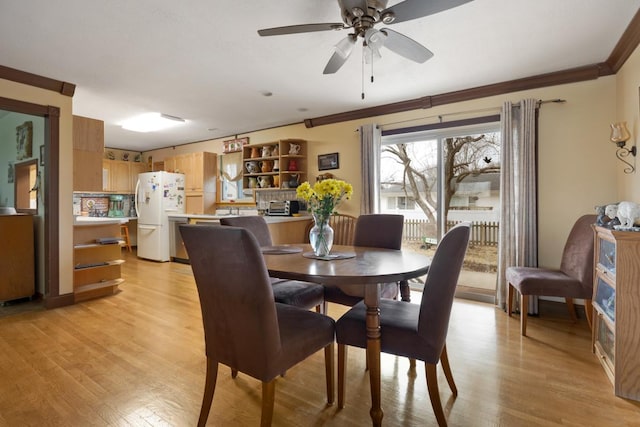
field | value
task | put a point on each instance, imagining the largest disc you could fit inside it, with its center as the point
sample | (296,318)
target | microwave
(283,208)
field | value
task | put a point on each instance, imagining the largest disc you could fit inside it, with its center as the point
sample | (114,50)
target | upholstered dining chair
(376,231)
(244,327)
(411,330)
(292,292)
(574,279)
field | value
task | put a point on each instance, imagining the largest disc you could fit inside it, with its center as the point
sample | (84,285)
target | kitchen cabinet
(200,170)
(120,176)
(88,149)
(275,165)
(616,308)
(97,266)
(17,257)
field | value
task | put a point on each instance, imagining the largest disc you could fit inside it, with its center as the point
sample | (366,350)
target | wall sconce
(619,136)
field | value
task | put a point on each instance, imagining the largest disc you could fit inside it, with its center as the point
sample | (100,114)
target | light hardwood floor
(137,359)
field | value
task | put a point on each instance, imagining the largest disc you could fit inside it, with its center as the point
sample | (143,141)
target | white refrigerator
(158,195)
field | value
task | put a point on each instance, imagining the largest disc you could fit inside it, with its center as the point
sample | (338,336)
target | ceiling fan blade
(342,53)
(413,9)
(304,28)
(405,46)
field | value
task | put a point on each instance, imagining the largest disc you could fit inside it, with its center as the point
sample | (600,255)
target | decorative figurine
(628,214)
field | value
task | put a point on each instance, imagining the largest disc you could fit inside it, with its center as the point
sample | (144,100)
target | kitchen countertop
(269,219)
(92,220)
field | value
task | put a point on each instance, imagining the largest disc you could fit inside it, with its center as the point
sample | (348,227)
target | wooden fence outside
(483,233)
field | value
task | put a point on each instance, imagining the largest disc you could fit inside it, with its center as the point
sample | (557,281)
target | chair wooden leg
(234,373)
(329,371)
(510,301)
(524,309)
(572,309)
(209,388)
(268,399)
(444,359)
(434,395)
(342,373)
(405,291)
(588,310)
(325,307)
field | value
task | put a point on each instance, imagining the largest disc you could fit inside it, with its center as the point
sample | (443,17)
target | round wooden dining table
(353,265)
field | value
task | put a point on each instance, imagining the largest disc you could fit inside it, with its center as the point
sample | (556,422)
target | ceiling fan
(361,16)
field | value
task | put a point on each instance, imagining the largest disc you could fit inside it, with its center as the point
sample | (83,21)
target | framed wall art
(328,161)
(42,155)
(24,136)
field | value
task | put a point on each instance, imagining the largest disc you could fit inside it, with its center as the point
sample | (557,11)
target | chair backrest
(379,231)
(440,288)
(236,298)
(344,227)
(256,224)
(577,256)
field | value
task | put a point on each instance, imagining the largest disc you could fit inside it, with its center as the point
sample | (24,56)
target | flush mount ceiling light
(150,122)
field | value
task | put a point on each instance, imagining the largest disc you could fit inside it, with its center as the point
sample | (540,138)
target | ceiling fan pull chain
(363,65)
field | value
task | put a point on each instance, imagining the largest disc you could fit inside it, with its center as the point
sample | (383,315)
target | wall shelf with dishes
(274,165)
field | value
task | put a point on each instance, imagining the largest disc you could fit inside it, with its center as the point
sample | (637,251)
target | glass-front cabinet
(616,306)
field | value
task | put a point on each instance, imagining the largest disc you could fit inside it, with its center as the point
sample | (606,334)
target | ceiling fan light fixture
(345,46)
(150,122)
(374,39)
(370,54)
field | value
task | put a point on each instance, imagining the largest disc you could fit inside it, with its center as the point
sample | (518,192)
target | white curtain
(370,138)
(518,184)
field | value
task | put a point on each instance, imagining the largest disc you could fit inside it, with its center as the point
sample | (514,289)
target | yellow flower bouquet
(322,200)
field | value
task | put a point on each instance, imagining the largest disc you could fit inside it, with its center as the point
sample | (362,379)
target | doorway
(47,197)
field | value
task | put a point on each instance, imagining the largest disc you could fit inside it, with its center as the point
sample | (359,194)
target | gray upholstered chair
(376,231)
(574,279)
(411,330)
(243,327)
(292,292)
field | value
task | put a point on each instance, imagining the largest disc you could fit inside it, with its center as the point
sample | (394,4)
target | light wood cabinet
(17,279)
(120,176)
(88,148)
(278,164)
(97,267)
(136,169)
(200,170)
(616,305)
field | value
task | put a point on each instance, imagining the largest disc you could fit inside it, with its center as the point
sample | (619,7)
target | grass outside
(478,258)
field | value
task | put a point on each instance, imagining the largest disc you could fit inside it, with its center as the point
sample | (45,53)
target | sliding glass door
(438,178)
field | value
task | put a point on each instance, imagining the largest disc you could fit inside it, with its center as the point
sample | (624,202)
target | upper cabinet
(88,149)
(119,176)
(200,170)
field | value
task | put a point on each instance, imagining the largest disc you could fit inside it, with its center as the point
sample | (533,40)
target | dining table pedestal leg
(372,301)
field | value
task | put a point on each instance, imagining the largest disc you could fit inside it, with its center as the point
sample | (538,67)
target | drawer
(605,298)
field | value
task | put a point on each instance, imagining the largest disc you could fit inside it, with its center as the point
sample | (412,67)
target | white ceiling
(204,61)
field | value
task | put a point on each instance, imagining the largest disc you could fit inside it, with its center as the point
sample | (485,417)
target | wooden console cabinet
(616,306)
(17,267)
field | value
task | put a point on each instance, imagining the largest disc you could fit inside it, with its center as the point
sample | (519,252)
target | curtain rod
(482,110)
